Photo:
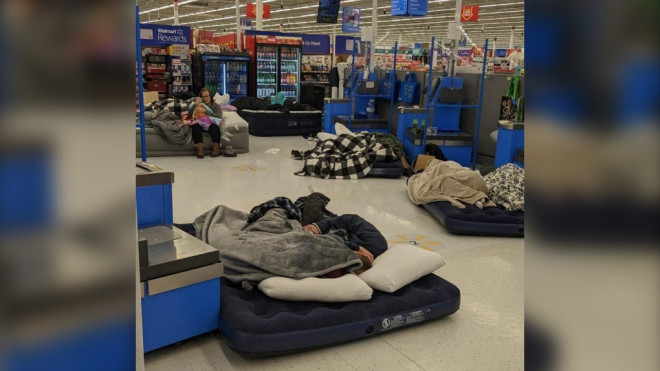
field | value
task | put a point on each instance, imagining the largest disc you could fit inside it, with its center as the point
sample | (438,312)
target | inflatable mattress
(276,123)
(257,325)
(491,221)
(386,170)
(359,124)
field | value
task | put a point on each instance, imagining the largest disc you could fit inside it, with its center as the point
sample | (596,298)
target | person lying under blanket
(363,237)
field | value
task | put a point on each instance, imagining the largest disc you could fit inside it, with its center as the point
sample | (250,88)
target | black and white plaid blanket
(176,106)
(349,156)
(292,209)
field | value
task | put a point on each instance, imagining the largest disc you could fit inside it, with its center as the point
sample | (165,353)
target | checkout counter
(179,274)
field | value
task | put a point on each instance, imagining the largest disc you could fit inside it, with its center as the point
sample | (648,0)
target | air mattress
(276,123)
(257,325)
(491,221)
(386,170)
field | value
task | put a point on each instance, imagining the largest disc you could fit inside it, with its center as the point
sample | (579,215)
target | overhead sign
(162,35)
(470,13)
(350,21)
(268,38)
(344,44)
(315,44)
(328,11)
(246,24)
(418,8)
(405,8)
(399,7)
(251,11)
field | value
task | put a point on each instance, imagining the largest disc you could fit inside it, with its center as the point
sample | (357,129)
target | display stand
(455,144)
(181,71)
(358,102)
(138,48)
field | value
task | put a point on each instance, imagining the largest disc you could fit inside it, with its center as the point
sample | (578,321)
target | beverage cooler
(221,73)
(277,65)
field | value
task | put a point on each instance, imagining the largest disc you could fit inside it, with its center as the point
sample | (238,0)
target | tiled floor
(485,334)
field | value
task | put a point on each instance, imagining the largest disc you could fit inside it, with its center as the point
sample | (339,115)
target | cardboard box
(149,97)
(422,161)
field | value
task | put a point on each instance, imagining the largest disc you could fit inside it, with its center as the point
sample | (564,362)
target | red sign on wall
(227,41)
(204,37)
(470,13)
(251,11)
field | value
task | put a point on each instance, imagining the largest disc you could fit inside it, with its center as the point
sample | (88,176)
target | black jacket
(360,232)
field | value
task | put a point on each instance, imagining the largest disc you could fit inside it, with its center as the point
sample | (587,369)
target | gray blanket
(271,246)
(167,125)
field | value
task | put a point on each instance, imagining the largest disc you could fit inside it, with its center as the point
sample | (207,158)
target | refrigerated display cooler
(277,64)
(222,73)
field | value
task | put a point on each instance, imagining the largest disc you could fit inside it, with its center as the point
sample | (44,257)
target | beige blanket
(448,181)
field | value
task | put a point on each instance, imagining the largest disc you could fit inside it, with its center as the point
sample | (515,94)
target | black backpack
(435,151)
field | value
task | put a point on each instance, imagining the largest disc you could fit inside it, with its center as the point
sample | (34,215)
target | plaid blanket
(176,106)
(349,156)
(292,210)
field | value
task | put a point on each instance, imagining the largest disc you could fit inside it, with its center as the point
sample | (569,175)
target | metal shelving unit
(368,124)
(431,102)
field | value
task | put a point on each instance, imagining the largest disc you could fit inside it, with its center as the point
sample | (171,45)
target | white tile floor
(485,334)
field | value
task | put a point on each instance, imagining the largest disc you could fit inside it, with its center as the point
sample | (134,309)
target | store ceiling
(496,17)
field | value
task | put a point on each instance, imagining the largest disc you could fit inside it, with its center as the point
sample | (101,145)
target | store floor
(485,333)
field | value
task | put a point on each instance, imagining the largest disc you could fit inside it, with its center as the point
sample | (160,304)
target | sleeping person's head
(366,264)
(312,228)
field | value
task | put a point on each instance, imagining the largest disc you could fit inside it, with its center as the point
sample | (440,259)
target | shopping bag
(388,84)
(367,87)
(451,95)
(452,92)
(409,91)
(511,107)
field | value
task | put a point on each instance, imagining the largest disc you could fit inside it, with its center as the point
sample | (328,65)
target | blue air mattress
(276,123)
(491,221)
(257,325)
(386,170)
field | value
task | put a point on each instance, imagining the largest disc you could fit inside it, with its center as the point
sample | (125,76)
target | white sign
(146,34)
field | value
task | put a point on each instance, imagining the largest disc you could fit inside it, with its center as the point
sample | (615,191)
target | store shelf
(321,72)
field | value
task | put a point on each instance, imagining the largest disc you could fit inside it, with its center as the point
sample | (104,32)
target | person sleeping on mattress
(363,238)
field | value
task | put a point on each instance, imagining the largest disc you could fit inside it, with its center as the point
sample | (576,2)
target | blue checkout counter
(179,274)
(455,145)
(510,146)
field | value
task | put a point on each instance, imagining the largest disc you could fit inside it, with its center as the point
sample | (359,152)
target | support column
(334,44)
(176,12)
(238,27)
(374,32)
(454,49)
(260,12)
(513,30)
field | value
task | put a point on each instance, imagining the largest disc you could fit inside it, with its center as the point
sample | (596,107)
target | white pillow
(325,136)
(341,129)
(221,99)
(345,288)
(400,265)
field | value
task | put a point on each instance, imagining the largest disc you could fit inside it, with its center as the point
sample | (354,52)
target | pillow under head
(400,265)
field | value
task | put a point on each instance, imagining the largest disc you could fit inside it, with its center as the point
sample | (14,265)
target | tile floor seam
(402,354)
